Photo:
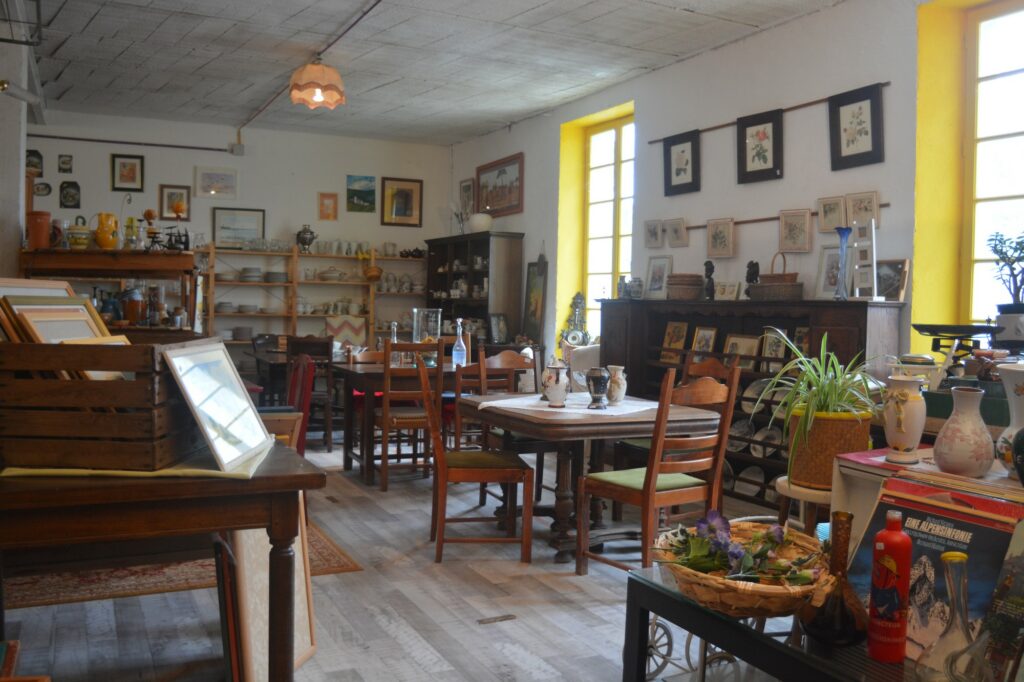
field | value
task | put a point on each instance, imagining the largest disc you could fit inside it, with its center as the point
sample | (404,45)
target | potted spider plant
(826,408)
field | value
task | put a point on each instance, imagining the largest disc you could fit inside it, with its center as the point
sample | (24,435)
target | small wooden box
(140,423)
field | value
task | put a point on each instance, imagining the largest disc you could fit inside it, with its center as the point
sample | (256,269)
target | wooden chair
(666,481)
(476,466)
(301,375)
(269,377)
(402,407)
(321,350)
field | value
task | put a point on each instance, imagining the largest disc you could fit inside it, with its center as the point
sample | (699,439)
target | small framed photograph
(727,291)
(828,272)
(126,173)
(721,238)
(658,270)
(360,193)
(401,202)
(742,344)
(831,213)
(862,233)
(802,339)
(220,403)
(65,163)
(654,235)
(674,342)
(861,209)
(499,186)
(34,162)
(772,347)
(862,254)
(863,281)
(236,228)
(703,341)
(221,183)
(682,163)
(855,127)
(676,232)
(174,202)
(892,278)
(467,197)
(327,205)
(499,328)
(70,194)
(759,147)
(57,326)
(795,231)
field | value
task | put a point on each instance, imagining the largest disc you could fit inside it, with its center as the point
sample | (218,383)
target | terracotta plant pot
(832,433)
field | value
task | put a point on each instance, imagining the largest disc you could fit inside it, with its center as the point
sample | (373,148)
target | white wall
(853,44)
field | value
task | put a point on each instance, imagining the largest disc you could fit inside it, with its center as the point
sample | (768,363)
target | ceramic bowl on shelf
(225,307)
(749,401)
(742,428)
(225,277)
(769,435)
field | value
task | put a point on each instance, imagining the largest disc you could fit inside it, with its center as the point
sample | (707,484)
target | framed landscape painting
(499,186)
(360,193)
(236,228)
(855,127)
(216,182)
(682,163)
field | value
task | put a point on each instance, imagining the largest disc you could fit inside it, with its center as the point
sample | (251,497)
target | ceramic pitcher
(106,230)
(1012,376)
(616,384)
(964,445)
(556,385)
(904,417)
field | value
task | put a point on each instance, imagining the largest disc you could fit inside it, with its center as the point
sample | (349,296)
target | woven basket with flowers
(743,569)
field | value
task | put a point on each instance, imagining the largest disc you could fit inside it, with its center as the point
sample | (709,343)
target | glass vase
(426,328)
(842,292)
(841,620)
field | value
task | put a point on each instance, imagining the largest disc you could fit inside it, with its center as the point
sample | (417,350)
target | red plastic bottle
(890,584)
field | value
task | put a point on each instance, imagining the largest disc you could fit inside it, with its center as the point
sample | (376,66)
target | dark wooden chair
(269,376)
(474,466)
(667,480)
(321,350)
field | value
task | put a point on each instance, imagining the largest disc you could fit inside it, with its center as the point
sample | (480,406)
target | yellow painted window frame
(618,124)
(974,18)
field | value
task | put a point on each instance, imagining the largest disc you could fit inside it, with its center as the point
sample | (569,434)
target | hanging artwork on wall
(70,195)
(127,173)
(654,236)
(34,162)
(65,163)
(721,238)
(467,197)
(221,183)
(327,205)
(174,202)
(759,147)
(795,231)
(676,232)
(862,208)
(533,303)
(855,127)
(360,193)
(401,202)
(831,213)
(682,163)
(499,186)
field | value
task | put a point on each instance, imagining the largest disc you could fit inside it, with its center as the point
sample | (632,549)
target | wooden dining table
(571,429)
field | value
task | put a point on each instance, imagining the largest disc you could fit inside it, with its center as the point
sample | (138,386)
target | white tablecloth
(574,402)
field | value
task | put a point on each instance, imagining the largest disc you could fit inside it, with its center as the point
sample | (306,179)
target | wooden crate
(141,423)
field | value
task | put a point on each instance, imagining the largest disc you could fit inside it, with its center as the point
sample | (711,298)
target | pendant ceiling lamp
(317,85)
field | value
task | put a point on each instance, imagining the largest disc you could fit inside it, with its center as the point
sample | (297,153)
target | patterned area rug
(325,557)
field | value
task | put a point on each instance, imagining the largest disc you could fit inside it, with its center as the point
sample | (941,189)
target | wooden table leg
(564,504)
(349,426)
(596,503)
(369,405)
(284,527)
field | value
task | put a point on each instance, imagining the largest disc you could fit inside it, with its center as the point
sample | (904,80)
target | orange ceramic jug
(106,231)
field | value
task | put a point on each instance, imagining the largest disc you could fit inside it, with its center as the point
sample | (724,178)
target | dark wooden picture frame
(167,201)
(239,233)
(499,186)
(401,202)
(123,183)
(759,147)
(852,117)
(533,300)
(681,154)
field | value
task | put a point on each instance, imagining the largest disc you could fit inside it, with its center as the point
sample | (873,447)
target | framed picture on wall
(401,202)
(126,173)
(216,182)
(681,155)
(658,270)
(499,186)
(855,127)
(467,197)
(327,205)
(236,228)
(759,147)
(795,231)
(533,301)
(676,232)
(721,238)
(831,213)
(654,235)
(174,200)
(862,208)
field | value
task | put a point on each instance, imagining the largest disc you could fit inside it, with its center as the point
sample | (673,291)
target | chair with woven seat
(668,479)
(402,407)
(474,466)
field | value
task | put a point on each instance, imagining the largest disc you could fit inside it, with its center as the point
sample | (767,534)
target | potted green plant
(826,408)
(1009,253)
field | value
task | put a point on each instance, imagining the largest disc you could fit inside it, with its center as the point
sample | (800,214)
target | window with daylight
(608,226)
(995,144)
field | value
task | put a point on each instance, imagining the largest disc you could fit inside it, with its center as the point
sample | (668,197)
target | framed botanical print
(721,238)
(174,202)
(499,186)
(401,202)
(831,213)
(703,341)
(676,232)
(674,342)
(654,235)
(126,173)
(772,347)
(759,147)
(855,127)
(742,344)
(795,231)
(828,272)
(658,270)
(682,163)
(862,208)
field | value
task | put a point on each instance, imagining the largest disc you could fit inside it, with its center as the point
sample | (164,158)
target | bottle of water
(396,357)
(459,349)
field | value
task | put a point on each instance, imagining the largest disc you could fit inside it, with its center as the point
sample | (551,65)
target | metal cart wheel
(659,648)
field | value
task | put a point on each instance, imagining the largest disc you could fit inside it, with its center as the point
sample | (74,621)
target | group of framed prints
(765,353)
(497,188)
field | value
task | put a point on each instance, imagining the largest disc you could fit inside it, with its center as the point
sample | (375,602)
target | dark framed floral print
(682,163)
(855,127)
(759,147)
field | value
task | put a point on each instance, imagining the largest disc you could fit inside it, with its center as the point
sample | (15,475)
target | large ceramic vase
(904,418)
(964,445)
(556,385)
(616,384)
(597,385)
(1013,382)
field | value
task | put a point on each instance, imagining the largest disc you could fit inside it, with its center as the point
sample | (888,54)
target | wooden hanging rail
(802,105)
(747,221)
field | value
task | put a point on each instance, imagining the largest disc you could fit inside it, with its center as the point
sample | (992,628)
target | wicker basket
(778,277)
(683,292)
(830,435)
(776,292)
(751,600)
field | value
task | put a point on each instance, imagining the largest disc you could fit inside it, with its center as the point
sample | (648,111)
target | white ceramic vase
(616,384)
(964,445)
(904,418)
(1012,376)
(556,385)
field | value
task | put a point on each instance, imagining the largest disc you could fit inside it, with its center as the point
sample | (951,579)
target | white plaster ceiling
(433,71)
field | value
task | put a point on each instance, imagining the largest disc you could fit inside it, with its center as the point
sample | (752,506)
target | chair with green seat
(633,452)
(680,470)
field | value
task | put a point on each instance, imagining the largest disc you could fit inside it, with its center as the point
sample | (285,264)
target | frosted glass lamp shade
(317,85)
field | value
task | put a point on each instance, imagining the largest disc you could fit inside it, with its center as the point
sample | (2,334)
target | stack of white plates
(224,277)
(251,275)
(247,308)
(225,307)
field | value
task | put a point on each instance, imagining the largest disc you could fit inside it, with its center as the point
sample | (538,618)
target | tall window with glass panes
(608,213)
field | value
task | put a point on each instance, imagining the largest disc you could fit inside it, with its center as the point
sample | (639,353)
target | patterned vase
(844,237)
(904,418)
(964,445)
(556,386)
(616,384)
(1013,382)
